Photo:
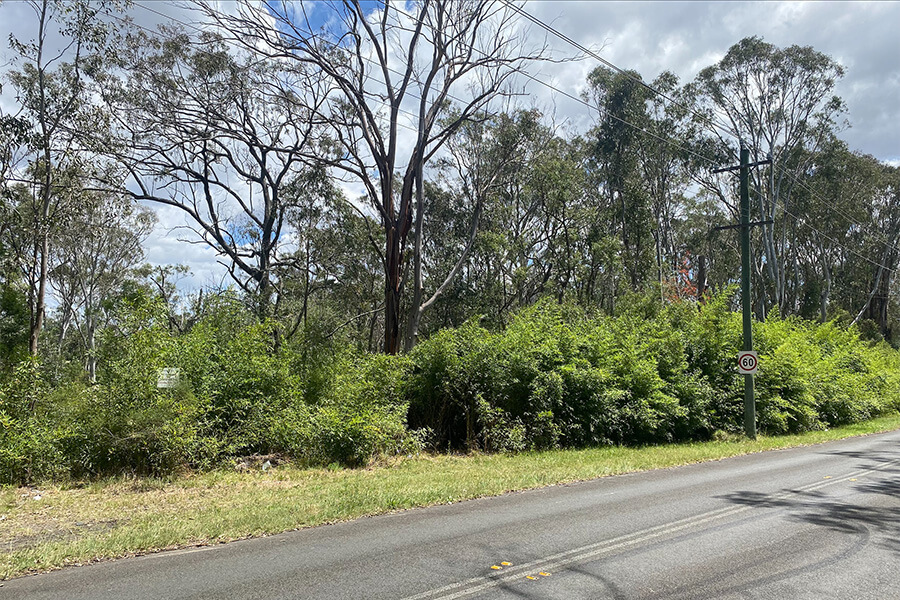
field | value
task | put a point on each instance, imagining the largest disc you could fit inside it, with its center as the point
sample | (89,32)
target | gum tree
(393,71)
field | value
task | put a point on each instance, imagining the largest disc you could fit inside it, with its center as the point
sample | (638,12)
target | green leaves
(555,376)
(654,374)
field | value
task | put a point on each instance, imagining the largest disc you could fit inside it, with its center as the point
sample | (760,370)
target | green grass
(75,524)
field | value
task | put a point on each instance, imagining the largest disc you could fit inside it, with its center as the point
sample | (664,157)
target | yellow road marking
(471,586)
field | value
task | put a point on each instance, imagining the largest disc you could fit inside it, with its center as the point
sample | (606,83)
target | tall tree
(333,275)
(217,134)
(883,243)
(480,155)
(391,71)
(93,255)
(50,86)
(534,237)
(778,101)
(622,101)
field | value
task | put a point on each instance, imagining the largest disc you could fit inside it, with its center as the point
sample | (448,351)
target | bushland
(554,377)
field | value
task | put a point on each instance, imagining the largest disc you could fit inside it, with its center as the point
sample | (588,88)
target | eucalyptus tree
(480,158)
(837,196)
(333,274)
(217,134)
(622,101)
(780,103)
(662,164)
(96,251)
(527,184)
(15,317)
(880,238)
(49,80)
(517,231)
(14,307)
(393,73)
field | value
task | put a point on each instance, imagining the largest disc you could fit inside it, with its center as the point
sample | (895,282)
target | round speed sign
(748,361)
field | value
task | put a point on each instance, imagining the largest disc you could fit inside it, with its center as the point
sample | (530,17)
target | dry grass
(62,524)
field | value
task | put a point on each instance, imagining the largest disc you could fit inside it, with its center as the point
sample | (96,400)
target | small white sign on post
(168,377)
(748,362)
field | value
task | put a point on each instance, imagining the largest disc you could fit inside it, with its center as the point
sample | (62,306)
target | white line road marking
(554,561)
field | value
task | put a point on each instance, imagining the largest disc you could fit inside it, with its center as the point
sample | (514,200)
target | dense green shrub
(362,414)
(14,326)
(125,423)
(554,376)
(652,374)
(28,448)
(237,396)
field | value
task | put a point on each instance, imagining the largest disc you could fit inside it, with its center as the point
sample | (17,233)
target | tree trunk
(826,291)
(416,308)
(392,292)
(37,316)
(92,349)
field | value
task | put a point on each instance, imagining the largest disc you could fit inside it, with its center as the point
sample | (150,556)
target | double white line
(592,551)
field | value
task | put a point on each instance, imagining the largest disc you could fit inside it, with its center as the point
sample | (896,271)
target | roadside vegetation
(57,525)
(555,377)
(551,304)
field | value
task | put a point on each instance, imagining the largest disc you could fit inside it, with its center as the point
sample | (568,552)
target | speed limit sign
(748,361)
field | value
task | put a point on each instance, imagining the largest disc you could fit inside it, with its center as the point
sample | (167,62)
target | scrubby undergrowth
(555,377)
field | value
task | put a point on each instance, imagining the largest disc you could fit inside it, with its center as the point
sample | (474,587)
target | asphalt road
(808,523)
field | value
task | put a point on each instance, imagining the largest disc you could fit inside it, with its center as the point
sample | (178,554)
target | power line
(614,67)
(658,92)
(803,222)
(313,35)
(796,179)
(665,139)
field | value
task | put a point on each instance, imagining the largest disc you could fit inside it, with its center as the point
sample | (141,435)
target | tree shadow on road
(881,516)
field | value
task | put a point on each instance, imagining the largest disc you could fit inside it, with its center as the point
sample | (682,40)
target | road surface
(807,523)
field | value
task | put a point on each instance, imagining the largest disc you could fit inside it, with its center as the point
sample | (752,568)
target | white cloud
(167,245)
(648,37)
(684,37)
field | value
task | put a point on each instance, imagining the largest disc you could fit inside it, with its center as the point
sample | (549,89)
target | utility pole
(749,392)
(744,226)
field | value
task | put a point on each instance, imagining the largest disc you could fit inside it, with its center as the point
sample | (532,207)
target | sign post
(744,226)
(749,395)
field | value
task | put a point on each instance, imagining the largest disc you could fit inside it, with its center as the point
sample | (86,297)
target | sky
(648,37)
(685,37)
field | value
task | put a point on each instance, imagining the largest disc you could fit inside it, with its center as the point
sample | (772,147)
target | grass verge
(57,525)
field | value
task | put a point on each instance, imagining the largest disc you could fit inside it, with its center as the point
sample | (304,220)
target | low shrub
(28,439)
(361,415)
(554,377)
